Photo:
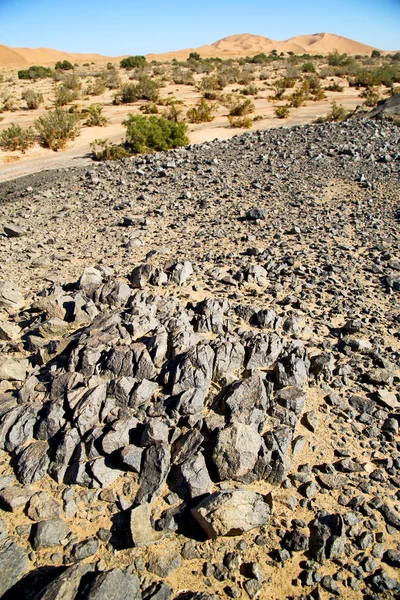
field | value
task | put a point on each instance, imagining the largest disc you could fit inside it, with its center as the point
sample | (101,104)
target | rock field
(199,372)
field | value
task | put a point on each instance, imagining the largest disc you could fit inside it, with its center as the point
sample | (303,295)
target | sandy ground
(78,152)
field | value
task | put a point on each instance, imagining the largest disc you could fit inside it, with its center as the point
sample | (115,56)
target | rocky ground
(200,365)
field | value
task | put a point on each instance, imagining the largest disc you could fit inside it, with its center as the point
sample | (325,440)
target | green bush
(56,128)
(240,109)
(96,88)
(95,116)
(173,113)
(250,90)
(133,62)
(308,67)
(335,87)
(110,78)
(370,96)
(34,73)
(194,56)
(146,89)
(149,109)
(15,138)
(64,96)
(71,81)
(240,122)
(387,76)
(375,54)
(297,98)
(182,77)
(338,60)
(337,113)
(103,150)
(64,65)
(144,134)
(32,99)
(201,113)
(282,112)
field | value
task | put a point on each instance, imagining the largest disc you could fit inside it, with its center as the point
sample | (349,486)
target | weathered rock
(191,478)
(48,534)
(235,451)
(327,537)
(32,462)
(154,471)
(13,565)
(10,296)
(13,369)
(142,531)
(232,512)
(42,506)
(116,584)
(163,563)
(66,585)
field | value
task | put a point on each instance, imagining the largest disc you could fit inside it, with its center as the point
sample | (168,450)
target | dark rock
(13,564)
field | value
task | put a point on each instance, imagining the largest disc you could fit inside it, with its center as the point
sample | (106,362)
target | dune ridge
(233,46)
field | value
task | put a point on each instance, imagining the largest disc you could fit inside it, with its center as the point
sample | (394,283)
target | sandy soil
(78,152)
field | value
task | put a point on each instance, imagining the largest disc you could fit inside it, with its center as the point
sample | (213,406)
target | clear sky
(116,27)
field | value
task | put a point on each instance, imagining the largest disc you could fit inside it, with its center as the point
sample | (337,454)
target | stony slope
(200,372)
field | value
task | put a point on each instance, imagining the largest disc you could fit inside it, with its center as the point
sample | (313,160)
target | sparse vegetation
(240,109)
(240,122)
(33,99)
(64,65)
(133,62)
(15,138)
(308,67)
(95,117)
(103,150)
(145,134)
(56,128)
(337,113)
(371,97)
(201,113)
(34,73)
(334,87)
(64,96)
(282,112)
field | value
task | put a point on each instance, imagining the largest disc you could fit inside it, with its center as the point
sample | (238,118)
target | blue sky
(116,27)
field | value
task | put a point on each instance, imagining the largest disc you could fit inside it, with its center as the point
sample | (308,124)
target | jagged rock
(142,531)
(13,369)
(180,272)
(191,478)
(42,506)
(246,401)
(131,458)
(153,474)
(10,296)
(263,350)
(210,315)
(48,534)
(232,512)
(13,231)
(90,280)
(14,497)
(157,591)
(163,563)
(66,585)
(292,368)
(235,451)
(32,462)
(116,584)
(186,446)
(13,565)
(9,331)
(326,537)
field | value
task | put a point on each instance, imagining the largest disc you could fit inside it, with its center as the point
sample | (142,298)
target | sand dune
(248,45)
(20,57)
(233,46)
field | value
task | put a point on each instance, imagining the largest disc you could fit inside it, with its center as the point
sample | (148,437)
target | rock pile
(217,422)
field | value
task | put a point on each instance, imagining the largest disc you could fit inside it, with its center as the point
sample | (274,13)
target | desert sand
(244,44)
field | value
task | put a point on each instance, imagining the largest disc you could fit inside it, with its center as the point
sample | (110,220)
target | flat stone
(142,531)
(13,369)
(48,534)
(13,565)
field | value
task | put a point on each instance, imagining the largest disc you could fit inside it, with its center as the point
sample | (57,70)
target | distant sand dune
(234,46)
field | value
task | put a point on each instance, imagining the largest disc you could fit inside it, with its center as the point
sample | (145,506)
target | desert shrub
(386,75)
(325,72)
(133,62)
(337,113)
(144,134)
(64,65)
(173,113)
(258,59)
(201,113)
(240,122)
(33,99)
(308,67)
(245,77)
(250,90)
(210,83)
(110,78)
(64,96)
(95,117)
(396,56)
(210,95)
(14,138)
(34,73)
(297,98)
(335,87)
(147,89)
(96,88)
(238,108)
(149,109)
(56,128)
(103,150)
(194,56)
(71,81)
(338,60)
(282,112)
(375,54)
(10,104)
(370,96)
(182,77)
(126,94)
